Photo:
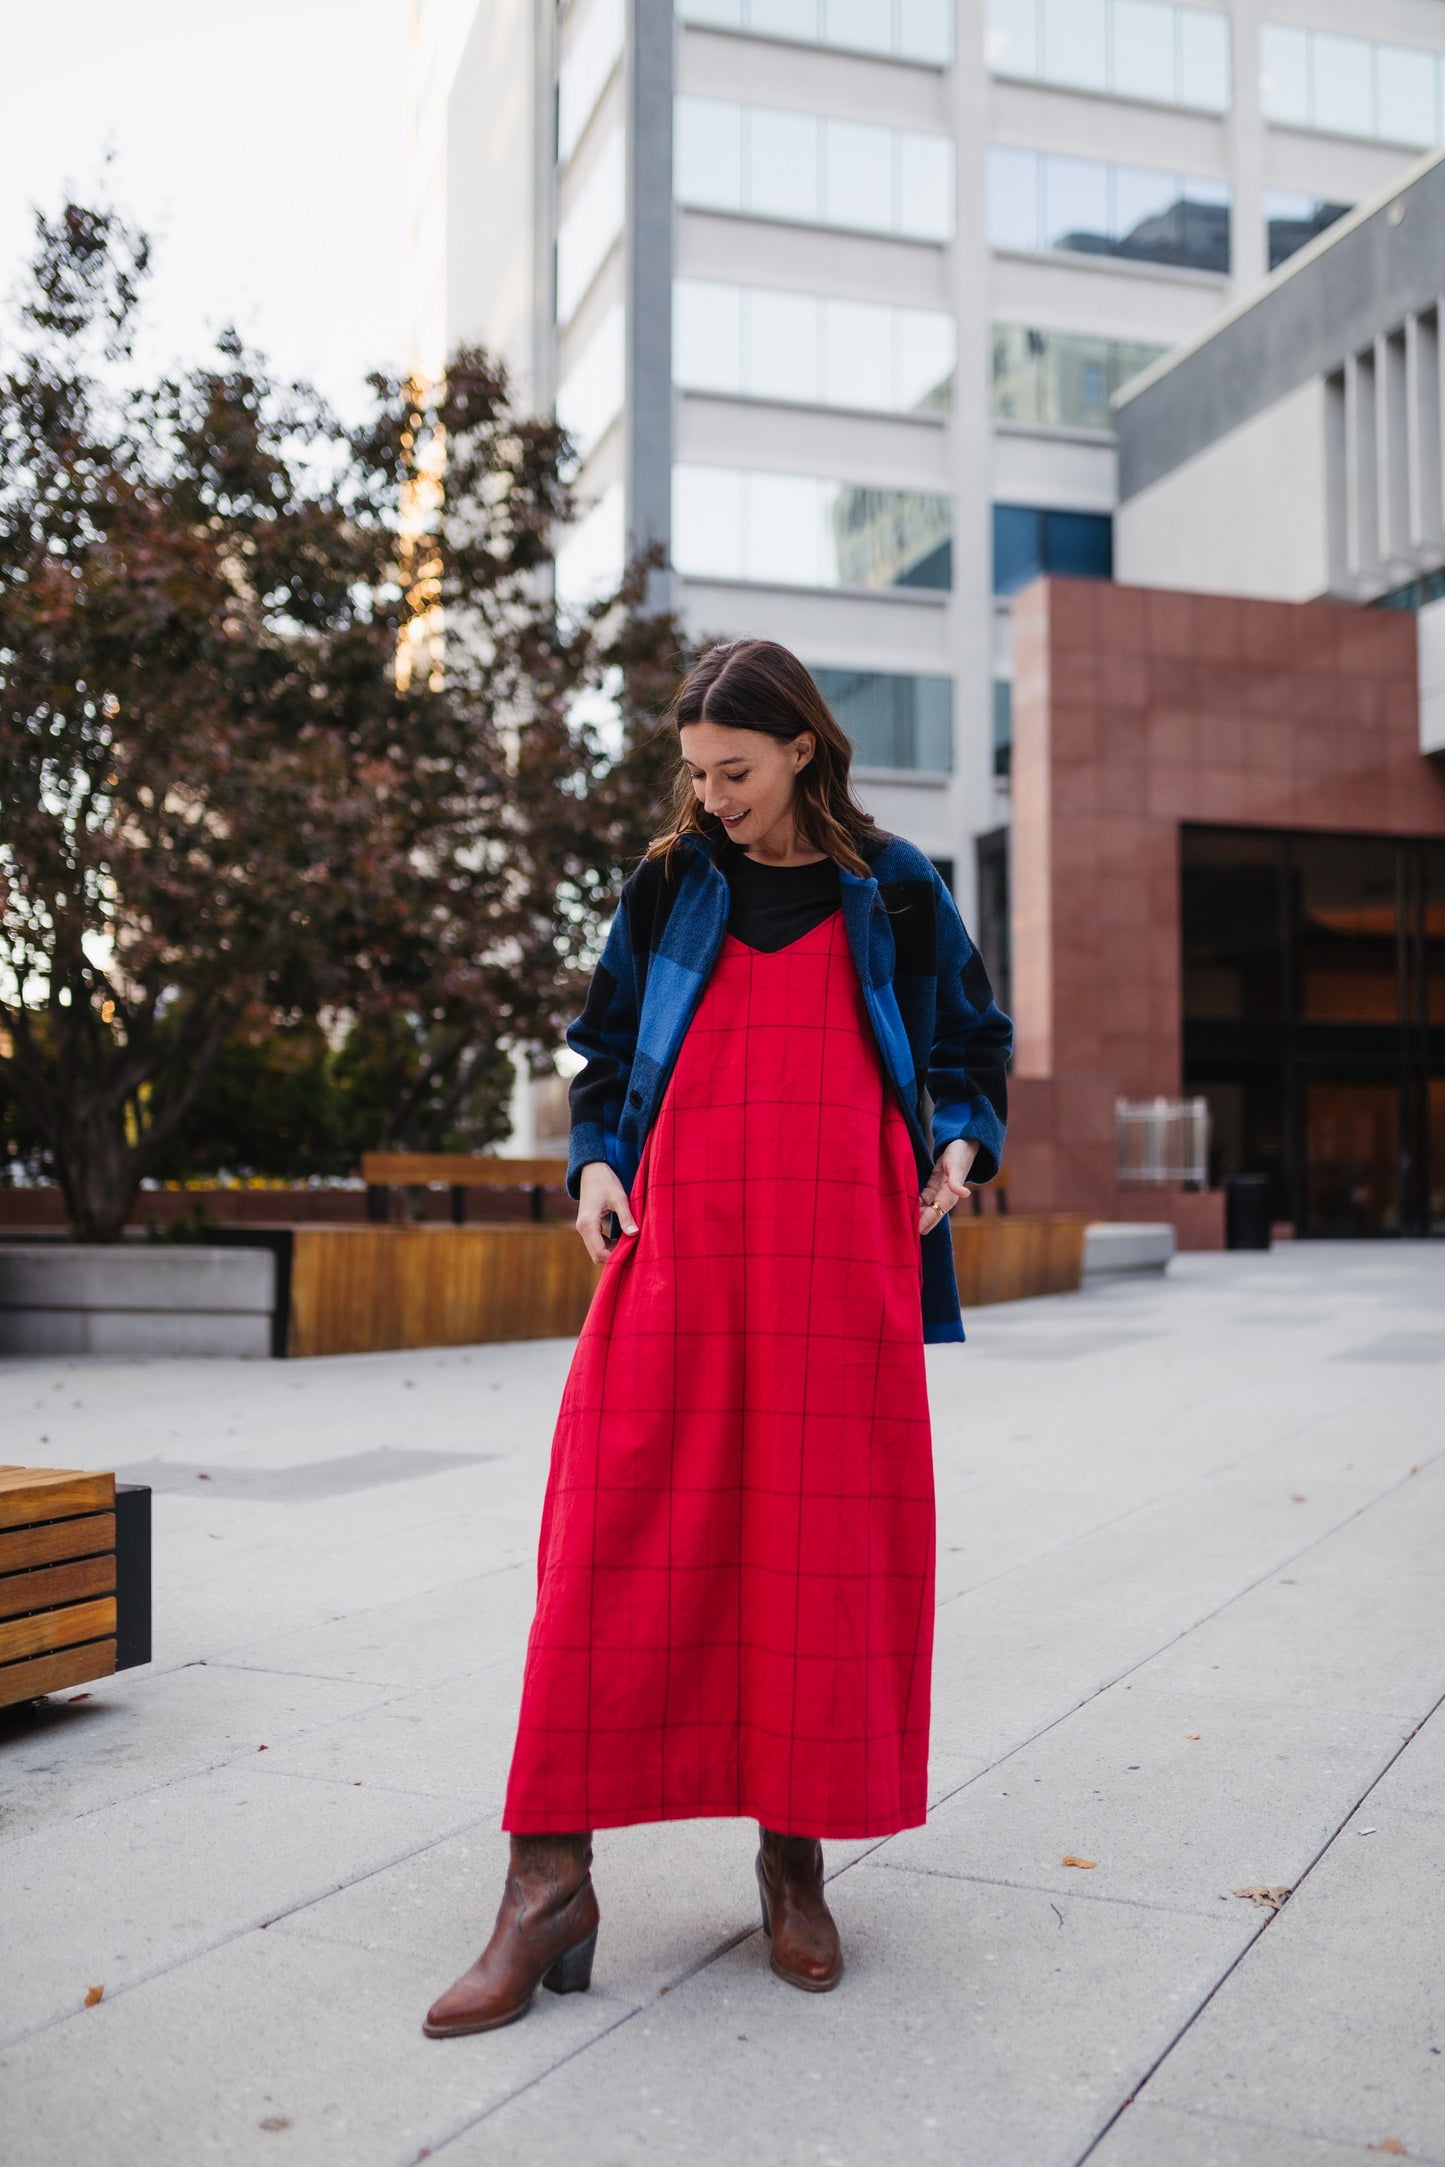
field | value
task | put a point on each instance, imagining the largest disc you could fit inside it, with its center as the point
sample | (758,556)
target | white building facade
(833,296)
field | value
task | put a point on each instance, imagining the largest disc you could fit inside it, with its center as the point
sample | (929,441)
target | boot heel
(763,1901)
(572,1973)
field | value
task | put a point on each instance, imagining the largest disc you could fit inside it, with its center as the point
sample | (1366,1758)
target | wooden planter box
(359,1290)
(1011,1256)
(74,1579)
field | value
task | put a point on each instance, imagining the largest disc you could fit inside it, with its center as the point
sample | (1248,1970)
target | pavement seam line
(1229,1970)
(1080,1894)
(1278,2129)
(1174,1639)
(241,1933)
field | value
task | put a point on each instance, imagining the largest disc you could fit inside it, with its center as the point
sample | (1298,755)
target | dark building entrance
(1314,1021)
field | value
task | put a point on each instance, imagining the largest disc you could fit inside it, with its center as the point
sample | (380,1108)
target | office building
(1229,839)
(834,296)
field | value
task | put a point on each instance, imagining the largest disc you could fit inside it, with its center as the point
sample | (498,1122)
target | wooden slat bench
(457,1171)
(74,1579)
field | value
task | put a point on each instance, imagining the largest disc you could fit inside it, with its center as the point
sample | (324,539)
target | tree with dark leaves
(288,724)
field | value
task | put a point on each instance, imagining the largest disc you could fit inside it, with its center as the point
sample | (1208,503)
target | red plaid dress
(735,1583)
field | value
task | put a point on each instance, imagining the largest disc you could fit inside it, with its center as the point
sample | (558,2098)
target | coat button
(634,1098)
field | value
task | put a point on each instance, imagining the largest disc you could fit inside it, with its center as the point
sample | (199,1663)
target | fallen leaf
(275,2121)
(1393,2146)
(1296,1498)
(1272,1893)
(263,1749)
(76,1696)
(1087,1864)
(92,1995)
(202,1478)
(1191,1734)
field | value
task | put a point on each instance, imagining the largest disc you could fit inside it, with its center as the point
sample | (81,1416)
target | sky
(261,144)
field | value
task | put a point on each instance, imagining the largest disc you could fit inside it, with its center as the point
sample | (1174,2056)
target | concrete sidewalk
(1191,1628)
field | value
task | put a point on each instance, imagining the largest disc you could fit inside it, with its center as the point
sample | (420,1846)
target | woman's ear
(804,746)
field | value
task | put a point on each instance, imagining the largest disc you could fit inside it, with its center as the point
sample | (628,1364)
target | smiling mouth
(730,820)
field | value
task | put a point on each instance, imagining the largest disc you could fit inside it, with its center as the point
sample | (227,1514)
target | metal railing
(1162,1140)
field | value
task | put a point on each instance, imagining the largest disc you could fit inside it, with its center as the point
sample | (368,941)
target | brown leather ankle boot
(806,1950)
(545,1934)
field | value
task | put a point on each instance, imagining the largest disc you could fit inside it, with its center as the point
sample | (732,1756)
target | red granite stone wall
(1137,710)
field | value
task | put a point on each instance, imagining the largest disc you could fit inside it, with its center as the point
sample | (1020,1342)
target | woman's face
(748,780)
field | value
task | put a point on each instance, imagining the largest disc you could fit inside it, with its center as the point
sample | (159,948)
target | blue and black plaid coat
(943,1041)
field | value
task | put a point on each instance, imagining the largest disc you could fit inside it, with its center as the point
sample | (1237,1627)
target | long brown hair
(755,684)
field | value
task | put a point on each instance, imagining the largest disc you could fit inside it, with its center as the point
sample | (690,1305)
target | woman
(735,1585)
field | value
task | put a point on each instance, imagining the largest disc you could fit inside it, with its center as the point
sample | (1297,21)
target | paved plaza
(1191,1629)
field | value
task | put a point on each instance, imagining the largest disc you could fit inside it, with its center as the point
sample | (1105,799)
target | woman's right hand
(600,1193)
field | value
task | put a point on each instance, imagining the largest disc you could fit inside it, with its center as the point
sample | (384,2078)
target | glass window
(1405,88)
(927,343)
(1013,198)
(864,26)
(892,721)
(891,538)
(1232,923)
(1204,60)
(1107,210)
(585,71)
(1146,213)
(783,535)
(590,396)
(1018,546)
(805,347)
(1079,545)
(925,30)
(1028,540)
(591,226)
(859,175)
(1011,41)
(1284,84)
(1204,226)
(1144,57)
(1346,941)
(919,30)
(771,163)
(707,154)
(858,355)
(782,346)
(589,563)
(707,522)
(1342,85)
(1076,43)
(1291,221)
(796,530)
(707,335)
(1076,205)
(1148,49)
(783,18)
(925,186)
(1061,379)
(782,164)
(1003,727)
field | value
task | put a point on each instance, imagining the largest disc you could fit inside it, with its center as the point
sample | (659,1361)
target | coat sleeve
(605,1034)
(972,1041)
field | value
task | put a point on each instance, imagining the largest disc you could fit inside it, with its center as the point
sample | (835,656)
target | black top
(770,906)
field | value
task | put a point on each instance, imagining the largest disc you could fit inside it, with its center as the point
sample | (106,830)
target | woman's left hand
(945,1185)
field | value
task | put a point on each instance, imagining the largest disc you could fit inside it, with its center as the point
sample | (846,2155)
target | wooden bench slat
(52,1585)
(459,1170)
(23,1637)
(52,1673)
(52,1493)
(54,1540)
